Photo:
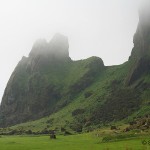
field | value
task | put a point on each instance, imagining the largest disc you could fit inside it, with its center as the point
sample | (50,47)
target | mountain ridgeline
(78,94)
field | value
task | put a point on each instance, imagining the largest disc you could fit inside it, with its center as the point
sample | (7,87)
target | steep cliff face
(43,80)
(140,56)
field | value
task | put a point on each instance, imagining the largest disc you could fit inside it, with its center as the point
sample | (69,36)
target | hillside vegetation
(77,96)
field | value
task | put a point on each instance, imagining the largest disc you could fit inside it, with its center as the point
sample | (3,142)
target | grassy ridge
(110,99)
(65,115)
(111,79)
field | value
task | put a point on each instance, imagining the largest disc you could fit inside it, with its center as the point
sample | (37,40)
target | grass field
(73,142)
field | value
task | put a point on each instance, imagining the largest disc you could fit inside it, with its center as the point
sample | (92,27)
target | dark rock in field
(52,134)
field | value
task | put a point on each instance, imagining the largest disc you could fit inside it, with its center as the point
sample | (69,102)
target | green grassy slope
(99,90)
(110,100)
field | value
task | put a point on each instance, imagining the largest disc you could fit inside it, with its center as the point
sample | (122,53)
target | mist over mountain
(44,79)
(79,94)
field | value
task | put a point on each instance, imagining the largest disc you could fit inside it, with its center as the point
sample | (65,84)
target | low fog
(103,28)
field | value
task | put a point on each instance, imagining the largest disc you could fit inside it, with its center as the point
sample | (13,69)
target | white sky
(103,28)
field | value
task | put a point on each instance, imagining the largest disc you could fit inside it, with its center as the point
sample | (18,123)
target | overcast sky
(103,28)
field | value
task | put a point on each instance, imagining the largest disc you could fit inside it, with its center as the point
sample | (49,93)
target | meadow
(72,142)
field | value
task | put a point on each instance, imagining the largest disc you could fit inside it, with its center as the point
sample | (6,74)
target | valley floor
(72,142)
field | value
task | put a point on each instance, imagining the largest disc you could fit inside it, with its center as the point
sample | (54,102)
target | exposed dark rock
(142,123)
(39,84)
(140,56)
(28,95)
(52,134)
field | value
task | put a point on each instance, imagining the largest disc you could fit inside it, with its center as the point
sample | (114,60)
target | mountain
(46,81)
(78,95)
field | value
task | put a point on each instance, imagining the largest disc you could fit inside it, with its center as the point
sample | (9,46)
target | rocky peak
(39,47)
(58,47)
(140,55)
(142,36)
(44,53)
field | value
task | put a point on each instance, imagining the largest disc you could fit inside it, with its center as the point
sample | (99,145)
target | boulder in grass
(52,134)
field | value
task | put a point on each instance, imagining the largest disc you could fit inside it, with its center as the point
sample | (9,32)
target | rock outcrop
(140,56)
(43,52)
(44,79)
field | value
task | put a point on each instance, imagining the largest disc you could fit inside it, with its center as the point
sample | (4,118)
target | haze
(103,28)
